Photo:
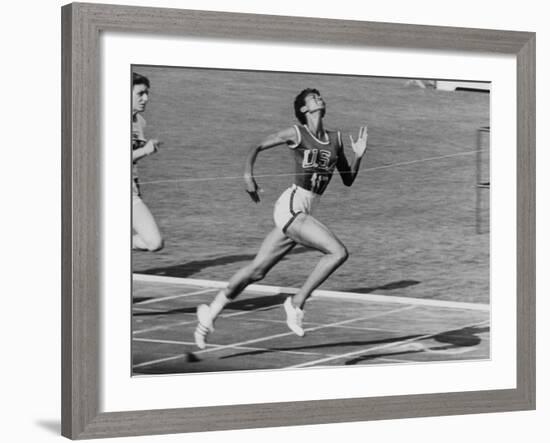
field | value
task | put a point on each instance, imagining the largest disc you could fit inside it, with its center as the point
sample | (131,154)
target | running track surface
(342,328)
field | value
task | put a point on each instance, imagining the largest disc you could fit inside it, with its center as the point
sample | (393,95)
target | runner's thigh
(309,231)
(273,248)
(144,223)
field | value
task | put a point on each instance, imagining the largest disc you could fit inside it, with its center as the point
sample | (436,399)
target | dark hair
(138,79)
(300,101)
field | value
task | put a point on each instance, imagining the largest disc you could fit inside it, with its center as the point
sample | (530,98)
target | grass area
(408,221)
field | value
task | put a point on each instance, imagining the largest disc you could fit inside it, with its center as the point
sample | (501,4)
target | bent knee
(155,245)
(340,254)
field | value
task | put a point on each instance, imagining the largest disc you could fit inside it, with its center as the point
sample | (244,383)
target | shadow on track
(455,340)
(248,304)
(323,345)
(402,284)
(193,267)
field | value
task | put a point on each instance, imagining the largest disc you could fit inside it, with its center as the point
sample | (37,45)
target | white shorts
(295,200)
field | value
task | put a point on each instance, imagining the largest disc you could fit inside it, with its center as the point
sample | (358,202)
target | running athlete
(317,152)
(146,234)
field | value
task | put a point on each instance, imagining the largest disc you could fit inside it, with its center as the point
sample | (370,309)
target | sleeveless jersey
(315,159)
(138,138)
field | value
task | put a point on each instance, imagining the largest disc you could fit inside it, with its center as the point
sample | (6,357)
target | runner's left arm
(348,172)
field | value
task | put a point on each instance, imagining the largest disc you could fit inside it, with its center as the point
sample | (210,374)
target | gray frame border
(81,184)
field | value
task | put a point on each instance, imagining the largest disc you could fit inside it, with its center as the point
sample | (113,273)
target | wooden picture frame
(81,27)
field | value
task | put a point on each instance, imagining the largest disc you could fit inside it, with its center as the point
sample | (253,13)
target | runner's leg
(273,248)
(147,236)
(310,232)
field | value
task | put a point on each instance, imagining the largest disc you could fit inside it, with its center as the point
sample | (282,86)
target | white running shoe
(294,317)
(205,326)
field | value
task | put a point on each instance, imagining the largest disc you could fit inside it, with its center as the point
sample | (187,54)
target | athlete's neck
(315,125)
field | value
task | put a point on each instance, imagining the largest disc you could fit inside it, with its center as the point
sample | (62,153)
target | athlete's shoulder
(334,136)
(140,120)
(294,136)
(289,132)
(281,137)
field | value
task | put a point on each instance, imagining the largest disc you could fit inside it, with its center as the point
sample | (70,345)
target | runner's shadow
(387,287)
(454,340)
(193,267)
(264,302)
(321,346)
(462,337)
(189,268)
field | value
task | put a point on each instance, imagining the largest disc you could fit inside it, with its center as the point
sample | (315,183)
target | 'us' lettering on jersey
(315,159)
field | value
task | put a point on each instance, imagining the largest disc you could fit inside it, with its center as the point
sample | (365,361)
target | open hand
(359,146)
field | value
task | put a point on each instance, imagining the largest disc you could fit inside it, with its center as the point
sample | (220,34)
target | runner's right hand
(151,146)
(252,188)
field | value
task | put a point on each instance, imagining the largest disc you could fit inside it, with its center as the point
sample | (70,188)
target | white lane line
(356,328)
(395,360)
(211,348)
(242,348)
(149,310)
(374,348)
(173,297)
(263,308)
(194,320)
(166,326)
(164,341)
(273,290)
(178,280)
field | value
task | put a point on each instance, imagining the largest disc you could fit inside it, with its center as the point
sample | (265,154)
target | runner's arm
(285,136)
(148,148)
(348,172)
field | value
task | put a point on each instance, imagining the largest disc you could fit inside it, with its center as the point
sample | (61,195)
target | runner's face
(140,97)
(313,102)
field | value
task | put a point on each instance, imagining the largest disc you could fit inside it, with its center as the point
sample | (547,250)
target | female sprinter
(317,152)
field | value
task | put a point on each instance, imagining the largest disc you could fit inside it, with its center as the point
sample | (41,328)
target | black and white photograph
(287,220)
